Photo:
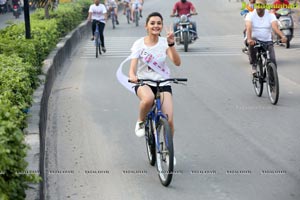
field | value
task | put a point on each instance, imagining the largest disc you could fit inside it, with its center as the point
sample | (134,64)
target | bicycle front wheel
(136,18)
(97,50)
(272,83)
(128,15)
(258,80)
(113,20)
(164,152)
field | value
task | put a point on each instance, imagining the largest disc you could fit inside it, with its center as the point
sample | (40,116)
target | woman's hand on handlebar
(133,79)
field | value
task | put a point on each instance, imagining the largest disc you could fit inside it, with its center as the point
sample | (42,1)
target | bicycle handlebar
(188,15)
(262,44)
(174,80)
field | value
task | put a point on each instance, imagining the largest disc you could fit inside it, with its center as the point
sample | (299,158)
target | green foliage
(13,176)
(20,64)
(16,80)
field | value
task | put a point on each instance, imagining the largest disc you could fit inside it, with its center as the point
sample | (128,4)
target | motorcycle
(183,31)
(3,8)
(285,25)
(16,10)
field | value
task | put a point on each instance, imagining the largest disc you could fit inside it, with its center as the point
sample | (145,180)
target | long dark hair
(154,14)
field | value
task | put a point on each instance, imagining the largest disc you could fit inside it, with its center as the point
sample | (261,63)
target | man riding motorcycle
(279,4)
(184,7)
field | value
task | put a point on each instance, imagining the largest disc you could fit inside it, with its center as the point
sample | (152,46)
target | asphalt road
(229,144)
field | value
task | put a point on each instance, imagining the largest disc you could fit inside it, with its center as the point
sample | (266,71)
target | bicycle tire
(288,42)
(113,20)
(150,143)
(128,16)
(166,152)
(272,83)
(98,46)
(97,50)
(258,79)
(136,18)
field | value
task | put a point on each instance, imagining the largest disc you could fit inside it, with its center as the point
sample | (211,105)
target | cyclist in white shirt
(158,48)
(126,4)
(259,25)
(98,13)
(112,4)
(134,4)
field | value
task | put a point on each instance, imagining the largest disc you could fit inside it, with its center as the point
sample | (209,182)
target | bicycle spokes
(164,152)
(272,83)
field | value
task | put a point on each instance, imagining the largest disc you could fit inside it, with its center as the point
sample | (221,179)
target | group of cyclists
(259,25)
(98,13)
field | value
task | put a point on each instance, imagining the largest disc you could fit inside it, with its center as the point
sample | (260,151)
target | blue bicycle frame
(155,115)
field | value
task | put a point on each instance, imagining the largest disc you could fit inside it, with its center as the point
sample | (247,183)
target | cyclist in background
(112,4)
(259,25)
(134,4)
(98,13)
(156,48)
(126,4)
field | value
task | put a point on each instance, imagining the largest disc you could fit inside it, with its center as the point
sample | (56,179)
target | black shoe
(92,38)
(245,51)
(141,15)
(117,22)
(103,49)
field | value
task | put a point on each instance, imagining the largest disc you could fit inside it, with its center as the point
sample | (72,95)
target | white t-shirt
(261,26)
(158,51)
(98,12)
(112,3)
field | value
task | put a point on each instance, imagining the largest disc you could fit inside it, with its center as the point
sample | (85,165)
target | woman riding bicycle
(139,5)
(112,4)
(155,48)
(126,4)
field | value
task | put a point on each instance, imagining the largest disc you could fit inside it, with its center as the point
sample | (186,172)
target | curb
(37,119)
(35,133)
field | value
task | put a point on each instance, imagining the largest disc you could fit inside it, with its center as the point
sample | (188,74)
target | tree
(46,4)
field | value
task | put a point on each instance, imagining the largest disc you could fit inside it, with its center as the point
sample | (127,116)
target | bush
(12,152)
(16,81)
(20,64)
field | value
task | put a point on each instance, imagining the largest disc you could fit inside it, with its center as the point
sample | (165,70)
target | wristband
(172,44)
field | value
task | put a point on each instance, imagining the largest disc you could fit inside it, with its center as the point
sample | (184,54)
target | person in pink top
(184,7)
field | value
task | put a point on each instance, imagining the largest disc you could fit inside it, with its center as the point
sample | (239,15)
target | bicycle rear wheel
(258,80)
(164,152)
(150,142)
(272,83)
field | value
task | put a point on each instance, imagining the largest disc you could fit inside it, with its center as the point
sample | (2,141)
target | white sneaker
(140,129)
